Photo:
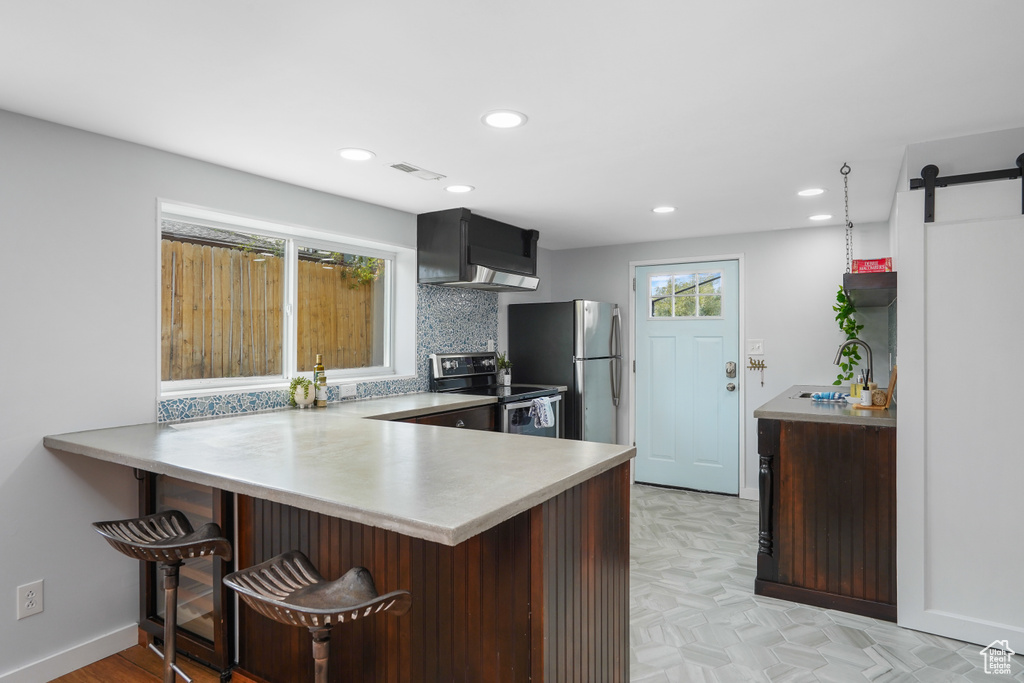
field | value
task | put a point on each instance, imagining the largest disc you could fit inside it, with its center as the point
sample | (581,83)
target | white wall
(959,470)
(78,347)
(790,280)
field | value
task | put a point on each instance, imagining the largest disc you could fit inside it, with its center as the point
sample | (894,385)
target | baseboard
(750,494)
(807,596)
(962,627)
(76,657)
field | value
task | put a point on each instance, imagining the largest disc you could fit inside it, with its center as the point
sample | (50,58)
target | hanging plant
(845,309)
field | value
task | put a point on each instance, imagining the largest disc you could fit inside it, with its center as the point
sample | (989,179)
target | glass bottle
(320,382)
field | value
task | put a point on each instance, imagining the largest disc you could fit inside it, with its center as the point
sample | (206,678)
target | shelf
(870,289)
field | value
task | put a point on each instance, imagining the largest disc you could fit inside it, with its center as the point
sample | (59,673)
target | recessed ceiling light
(460,188)
(504,118)
(811,192)
(663,209)
(821,217)
(356,154)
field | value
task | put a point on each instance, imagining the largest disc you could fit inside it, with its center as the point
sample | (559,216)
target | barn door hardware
(930,179)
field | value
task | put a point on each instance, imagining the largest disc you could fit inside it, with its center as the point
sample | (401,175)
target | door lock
(730,387)
(730,370)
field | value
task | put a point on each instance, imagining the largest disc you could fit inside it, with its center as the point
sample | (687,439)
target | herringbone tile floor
(694,615)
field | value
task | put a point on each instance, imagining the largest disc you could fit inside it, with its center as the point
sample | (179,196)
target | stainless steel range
(477,374)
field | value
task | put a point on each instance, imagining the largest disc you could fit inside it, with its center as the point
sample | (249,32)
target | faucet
(849,342)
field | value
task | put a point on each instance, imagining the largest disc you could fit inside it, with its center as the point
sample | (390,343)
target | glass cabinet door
(205,611)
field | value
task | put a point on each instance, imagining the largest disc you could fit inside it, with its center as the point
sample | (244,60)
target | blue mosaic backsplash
(448,320)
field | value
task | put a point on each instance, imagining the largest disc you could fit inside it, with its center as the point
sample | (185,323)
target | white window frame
(399,292)
(687,318)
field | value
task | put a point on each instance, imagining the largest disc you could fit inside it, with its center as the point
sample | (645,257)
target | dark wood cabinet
(827,534)
(480,417)
(205,608)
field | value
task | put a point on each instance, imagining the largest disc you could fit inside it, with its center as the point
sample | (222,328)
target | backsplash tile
(448,320)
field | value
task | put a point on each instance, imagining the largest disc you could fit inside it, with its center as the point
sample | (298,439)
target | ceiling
(724,109)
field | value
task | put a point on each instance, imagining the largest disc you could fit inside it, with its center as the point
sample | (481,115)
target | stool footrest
(176,668)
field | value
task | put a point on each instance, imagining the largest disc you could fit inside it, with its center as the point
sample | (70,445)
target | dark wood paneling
(832,519)
(543,596)
(585,534)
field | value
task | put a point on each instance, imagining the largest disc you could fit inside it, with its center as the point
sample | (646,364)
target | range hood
(457,248)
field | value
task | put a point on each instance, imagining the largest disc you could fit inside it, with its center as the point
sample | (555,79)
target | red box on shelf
(875,265)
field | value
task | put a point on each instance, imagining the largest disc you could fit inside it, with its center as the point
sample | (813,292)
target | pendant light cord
(845,170)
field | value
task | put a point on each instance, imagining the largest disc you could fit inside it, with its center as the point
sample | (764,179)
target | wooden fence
(221,314)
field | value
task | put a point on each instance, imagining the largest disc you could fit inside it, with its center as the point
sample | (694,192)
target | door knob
(730,387)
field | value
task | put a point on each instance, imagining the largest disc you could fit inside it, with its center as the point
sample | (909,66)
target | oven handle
(527,404)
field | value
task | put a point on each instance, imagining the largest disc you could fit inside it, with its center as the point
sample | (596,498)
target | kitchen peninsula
(515,548)
(827,480)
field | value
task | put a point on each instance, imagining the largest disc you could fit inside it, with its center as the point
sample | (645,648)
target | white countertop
(435,483)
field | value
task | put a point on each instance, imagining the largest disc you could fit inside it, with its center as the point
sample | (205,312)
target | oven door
(516,419)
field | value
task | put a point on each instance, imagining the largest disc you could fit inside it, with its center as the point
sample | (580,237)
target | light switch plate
(755,347)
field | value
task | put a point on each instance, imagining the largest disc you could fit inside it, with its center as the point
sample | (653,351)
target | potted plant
(301,392)
(504,369)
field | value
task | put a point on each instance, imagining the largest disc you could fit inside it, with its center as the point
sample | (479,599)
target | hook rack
(930,179)
(757,365)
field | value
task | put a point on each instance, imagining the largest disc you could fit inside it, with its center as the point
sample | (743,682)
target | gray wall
(789,285)
(78,347)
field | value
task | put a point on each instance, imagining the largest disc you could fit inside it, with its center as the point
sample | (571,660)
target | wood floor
(136,665)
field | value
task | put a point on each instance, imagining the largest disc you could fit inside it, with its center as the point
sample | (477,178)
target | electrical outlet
(755,347)
(347,390)
(490,344)
(30,599)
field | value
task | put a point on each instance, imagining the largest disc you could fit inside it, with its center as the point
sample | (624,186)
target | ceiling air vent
(420,173)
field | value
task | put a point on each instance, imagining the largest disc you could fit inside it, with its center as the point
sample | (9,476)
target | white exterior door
(687,404)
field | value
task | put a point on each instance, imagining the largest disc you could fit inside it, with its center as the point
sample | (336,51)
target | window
(685,295)
(247,303)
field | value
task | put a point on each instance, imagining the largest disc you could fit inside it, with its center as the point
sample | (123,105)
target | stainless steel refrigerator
(575,344)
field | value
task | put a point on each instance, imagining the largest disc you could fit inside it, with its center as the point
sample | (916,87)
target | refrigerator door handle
(616,379)
(616,325)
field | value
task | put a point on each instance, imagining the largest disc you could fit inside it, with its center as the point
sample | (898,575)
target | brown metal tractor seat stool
(289,589)
(168,539)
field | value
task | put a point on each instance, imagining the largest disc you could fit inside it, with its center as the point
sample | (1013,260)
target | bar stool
(290,590)
(168,539)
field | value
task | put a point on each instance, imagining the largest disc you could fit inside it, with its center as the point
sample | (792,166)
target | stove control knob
(447,365)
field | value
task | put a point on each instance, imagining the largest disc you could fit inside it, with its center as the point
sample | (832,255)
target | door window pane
(686,295)
(685,306)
